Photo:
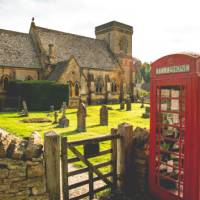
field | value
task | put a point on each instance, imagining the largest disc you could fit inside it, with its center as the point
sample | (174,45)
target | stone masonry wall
(22,168)
(140,162)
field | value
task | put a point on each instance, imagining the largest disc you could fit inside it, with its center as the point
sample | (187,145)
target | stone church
(100,69)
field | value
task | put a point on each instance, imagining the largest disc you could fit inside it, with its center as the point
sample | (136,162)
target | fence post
(114,159)
(52,159)
(124,157)
(64,167)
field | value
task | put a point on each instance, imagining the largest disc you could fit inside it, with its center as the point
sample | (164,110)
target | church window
(28,78)
(113,86)
(5,83)
(76,88)
(99,87)
(123,44)
(70,88)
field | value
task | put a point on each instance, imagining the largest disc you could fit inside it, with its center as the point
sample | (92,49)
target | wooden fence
(57,161)
(91,150)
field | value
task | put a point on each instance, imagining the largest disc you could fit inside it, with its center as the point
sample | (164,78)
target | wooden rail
(91,140)
(94,174)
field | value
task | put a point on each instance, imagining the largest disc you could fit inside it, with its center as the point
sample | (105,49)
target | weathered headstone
(104,115)
(81,117)
(122,105)
(63,122)
(25,109)
(55,117)
(142,102)
(51,108)
(128,104)
(64,105)
(147,109)
(147,113)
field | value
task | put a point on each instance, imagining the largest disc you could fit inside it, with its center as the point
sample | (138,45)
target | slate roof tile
(89,52)
(17,50)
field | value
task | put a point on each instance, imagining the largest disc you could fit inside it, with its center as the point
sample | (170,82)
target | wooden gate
(90,150)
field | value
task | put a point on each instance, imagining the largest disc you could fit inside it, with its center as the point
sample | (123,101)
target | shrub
(39,95)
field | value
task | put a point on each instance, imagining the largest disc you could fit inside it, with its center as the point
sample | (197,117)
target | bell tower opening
(117,35)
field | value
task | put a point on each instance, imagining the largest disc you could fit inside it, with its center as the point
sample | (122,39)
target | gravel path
(84,189)
(79,178)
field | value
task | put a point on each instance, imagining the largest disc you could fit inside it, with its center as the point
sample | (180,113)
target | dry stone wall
(22,168)
(140,162)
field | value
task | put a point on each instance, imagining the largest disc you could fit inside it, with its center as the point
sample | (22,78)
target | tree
(145,72)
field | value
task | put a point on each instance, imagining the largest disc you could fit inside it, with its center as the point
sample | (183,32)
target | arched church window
(99,83)
(70,88)
(113,86)
(123,44)
(5,83)
(99,87)
(28,78)
(76,88)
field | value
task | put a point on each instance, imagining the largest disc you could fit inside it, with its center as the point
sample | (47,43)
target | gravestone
(63,121)
(63,106)
(51,108)
(81,117)
(147,113)
(128,104)
(104,116)
(122,105)
(55,117)
(25,109)
(142,102)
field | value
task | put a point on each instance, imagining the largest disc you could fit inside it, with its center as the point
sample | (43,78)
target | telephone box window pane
(170,138)
(165,93)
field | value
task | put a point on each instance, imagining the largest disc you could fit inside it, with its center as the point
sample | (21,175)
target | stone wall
(22,168)
(140,162)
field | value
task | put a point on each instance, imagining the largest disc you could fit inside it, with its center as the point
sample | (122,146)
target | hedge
(39,95)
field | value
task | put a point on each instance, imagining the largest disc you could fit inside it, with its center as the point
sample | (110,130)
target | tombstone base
(63,122)
(128,108)
(81,129)
(122,106)
(103,123)
(146,115)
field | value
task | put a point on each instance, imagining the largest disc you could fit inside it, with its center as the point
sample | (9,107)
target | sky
(161,27)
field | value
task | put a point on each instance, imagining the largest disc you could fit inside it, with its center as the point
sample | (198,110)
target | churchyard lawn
(11,122)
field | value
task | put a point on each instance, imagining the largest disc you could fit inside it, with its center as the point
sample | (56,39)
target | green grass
(13,124)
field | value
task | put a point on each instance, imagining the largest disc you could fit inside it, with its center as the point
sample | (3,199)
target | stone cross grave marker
(25,109)
(55,117)
(63,121)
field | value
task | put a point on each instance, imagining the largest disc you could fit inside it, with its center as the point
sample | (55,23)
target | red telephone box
(174,171)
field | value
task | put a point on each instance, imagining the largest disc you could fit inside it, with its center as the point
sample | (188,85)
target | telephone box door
(169,125)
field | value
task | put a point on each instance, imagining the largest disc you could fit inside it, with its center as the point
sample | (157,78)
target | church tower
(119,38)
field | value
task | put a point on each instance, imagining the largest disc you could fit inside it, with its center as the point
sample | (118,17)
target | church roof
(89,52)
(17,50)
(58,70)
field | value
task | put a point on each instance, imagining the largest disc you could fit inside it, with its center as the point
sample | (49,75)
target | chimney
(52,55)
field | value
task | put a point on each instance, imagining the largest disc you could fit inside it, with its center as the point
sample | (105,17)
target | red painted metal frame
(191,81)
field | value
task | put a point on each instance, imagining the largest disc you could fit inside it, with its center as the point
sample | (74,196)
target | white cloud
(160,27)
